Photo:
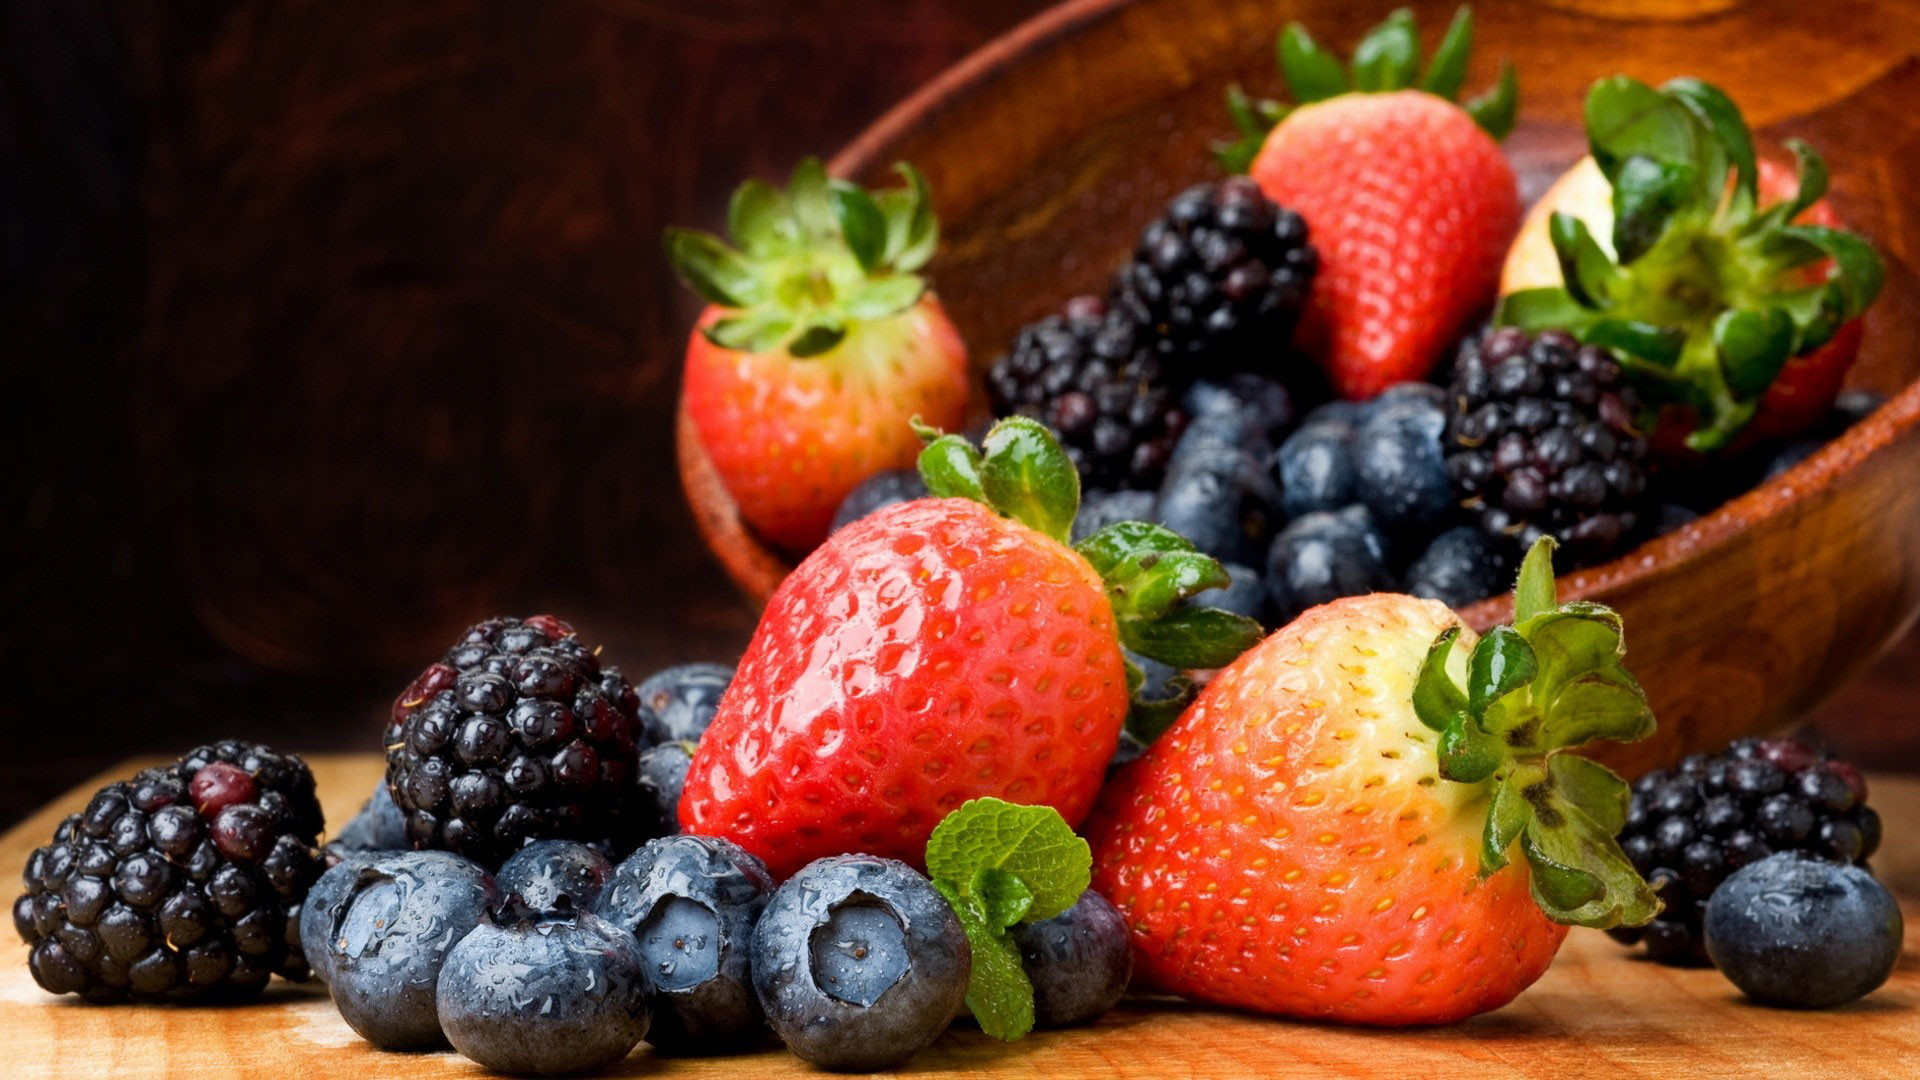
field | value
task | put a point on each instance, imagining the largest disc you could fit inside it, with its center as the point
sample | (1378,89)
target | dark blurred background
(330,327)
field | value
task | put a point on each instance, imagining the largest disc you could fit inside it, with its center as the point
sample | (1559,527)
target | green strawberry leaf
(1437,699)
(1194,638)
(1253,119)
(1646,196)
(1809,185)
(1753,346)
(812,261)
(1533,691)
(1659,346)
(1857,268)
(999,863)
(1448,70)
(1544,308)
(862,225)
(1311,73)
(1626,119)
(1147,587)
(1388,58)
(1501,663)
(1718,114)
(1125,541)
(950,466)
(714,270)
(1588,270)
(1496,109)
(1029,478)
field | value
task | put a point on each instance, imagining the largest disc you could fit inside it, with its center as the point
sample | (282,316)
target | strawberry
(820,345)
(1728,292)
(947,649)
(1406,194)
(1339,829)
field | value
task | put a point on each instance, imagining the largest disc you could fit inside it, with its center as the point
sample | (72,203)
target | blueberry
(1265,402)
(388,936)
(691,903)
(1400,469)
(1803,932)
(1315,465)
(1218,491)
(546,870)
(379,826)
(535,993)
(317,911)
(1100,509)
(1126,751)
(1671,516)
(1789,454)
(880,489)
(1246,594)
(679,702)
(1462,565)
(1324,556)
(1079,961)
(1423,394)
(859,963)
(1853,406)
(659,777)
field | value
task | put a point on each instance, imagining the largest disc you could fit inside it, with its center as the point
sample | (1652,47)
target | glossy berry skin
(1219,493)
(1079,962)
(659,780)
(1245,594)
(689,903)
(1323,556)
(1400,468)
(931,653)
(1265,401)
(388,935)
(1411,206)
(1287,846)
(859,963)
(1315,464)
(679,702)
(316,915)
(880,489)
(1462,565)
(1804,933)
(549,874)
(791,438)
(378,826)
(544,995)
(517,734)
(182,883)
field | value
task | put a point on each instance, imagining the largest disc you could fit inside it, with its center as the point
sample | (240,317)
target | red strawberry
(1406,195)
(1726,288)
(1327,832)
(938,651)
(820,347)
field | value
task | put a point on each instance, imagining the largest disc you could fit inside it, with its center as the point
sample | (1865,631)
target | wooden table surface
(1598,1011)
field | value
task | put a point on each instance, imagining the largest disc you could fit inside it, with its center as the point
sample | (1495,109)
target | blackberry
(1691,826)
(1220,278)
(1089,373)
(518,734)
(184,882)
(1540,439)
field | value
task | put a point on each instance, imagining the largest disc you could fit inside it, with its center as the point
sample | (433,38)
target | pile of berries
(1691,826)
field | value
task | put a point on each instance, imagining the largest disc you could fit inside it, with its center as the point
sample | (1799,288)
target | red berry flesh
(1791,755)
(555,629)
(220,785)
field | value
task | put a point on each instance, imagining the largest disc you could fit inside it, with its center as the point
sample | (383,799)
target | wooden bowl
(1049,148)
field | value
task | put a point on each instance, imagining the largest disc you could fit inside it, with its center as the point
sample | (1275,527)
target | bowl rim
(757,568)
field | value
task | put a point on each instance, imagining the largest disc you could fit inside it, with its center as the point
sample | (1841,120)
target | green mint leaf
(1197,638)
(951,468)
(862,225)
(1029,478)
(1501,663)
(1448,70)
(1388,58)
(1495,110)
(999,994)
(1533,593)
(1311,73)
(1436,696)
(1031,843)
(1004,897)
(714,270)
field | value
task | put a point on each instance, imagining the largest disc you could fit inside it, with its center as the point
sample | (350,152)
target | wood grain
(1051,146)
(1597,1012)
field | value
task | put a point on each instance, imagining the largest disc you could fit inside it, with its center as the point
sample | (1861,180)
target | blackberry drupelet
(518,734)
(184,882)
(1089,373)
(1540,439)
(1691,826)
(1220,279)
